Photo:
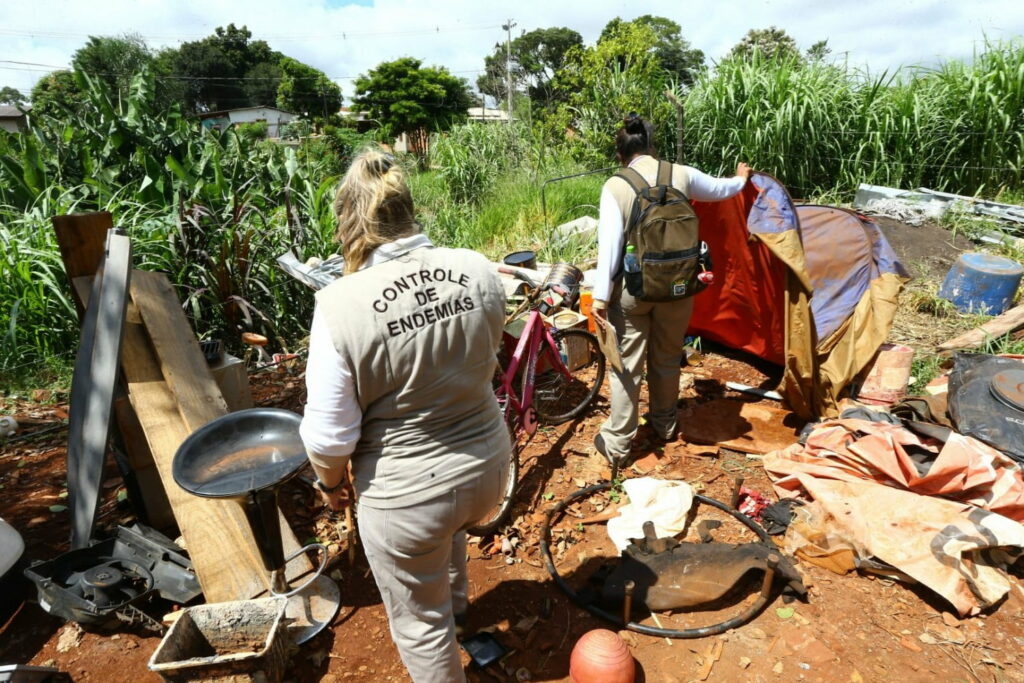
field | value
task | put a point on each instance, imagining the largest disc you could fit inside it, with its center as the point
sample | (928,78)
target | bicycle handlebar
(518,274)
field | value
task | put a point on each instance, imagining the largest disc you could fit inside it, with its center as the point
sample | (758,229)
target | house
(12,118)
(487,115)
(274,118)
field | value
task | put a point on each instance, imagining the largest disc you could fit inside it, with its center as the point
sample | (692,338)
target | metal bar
(93,383)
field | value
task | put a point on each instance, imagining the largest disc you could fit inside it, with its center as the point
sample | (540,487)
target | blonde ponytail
(373,207)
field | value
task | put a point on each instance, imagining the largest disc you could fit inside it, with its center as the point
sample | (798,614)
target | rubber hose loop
(700,632)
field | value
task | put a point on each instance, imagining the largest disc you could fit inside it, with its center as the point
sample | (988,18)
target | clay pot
(601,656)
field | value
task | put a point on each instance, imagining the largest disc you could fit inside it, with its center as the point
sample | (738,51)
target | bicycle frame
(534,338)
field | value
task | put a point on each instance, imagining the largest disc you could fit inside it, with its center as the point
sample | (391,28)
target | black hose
(700,632)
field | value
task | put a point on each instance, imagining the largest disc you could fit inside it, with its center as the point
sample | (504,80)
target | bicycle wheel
(496,516)
(558,398)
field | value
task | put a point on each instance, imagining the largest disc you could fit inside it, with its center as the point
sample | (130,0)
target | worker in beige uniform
(401,355)
(649,333)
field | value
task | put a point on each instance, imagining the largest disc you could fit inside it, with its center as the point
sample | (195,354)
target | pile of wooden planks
(172,393)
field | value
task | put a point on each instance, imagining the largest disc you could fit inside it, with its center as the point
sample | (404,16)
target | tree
(406,97)
(9,95)
(771,43)
(819,51)
(603,83)
(56,94)
(674,54)
(536,58)
(113,62)
(262,82)
(223,71)
(305,90)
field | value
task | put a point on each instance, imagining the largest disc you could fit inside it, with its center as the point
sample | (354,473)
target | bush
(257,130)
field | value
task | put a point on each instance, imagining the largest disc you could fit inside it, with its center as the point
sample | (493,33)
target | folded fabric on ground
(661,501)
(948,515)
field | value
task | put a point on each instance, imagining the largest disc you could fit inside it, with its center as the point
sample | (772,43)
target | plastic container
(982,283)
(587,309)
(887,380)
(225,641)
(521,259)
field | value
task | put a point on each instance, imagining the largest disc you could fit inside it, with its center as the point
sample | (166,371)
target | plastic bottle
(631,263)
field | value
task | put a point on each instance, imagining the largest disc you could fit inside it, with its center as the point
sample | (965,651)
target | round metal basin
(240,453)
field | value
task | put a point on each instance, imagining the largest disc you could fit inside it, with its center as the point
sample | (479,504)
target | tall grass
(818,126)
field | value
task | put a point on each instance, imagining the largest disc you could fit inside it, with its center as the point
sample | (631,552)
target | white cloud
(347,40)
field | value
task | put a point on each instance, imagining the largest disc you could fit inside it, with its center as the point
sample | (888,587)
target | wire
(343,35)
(180,77)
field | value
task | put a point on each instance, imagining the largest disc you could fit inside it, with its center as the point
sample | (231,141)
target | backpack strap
(664,173)
(633,179)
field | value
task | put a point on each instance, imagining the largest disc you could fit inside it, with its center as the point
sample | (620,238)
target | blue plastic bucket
(982,283)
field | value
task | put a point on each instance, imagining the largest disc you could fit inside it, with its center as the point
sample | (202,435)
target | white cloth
(664,502)
(611,228)
(331,423)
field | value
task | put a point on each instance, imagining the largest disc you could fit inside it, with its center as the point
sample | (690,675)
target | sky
(345,38)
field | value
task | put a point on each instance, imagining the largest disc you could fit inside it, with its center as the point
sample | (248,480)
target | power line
(31,67)
(342,35)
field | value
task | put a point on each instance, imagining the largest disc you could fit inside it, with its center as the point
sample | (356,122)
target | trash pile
(913,499)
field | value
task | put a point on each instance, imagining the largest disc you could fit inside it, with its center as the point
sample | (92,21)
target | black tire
(557,399)
(499,513)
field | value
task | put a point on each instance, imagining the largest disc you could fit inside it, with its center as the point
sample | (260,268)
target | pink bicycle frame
(534,338)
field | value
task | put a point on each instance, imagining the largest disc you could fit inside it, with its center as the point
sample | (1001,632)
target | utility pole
(679,123)
(508,64)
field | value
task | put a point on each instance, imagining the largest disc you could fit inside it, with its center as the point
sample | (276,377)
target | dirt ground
(851,628)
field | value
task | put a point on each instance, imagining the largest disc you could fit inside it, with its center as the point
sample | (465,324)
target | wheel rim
(557,397)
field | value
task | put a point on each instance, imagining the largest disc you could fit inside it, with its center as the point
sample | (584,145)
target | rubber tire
(576,410)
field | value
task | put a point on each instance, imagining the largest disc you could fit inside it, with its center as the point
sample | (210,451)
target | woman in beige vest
(401,355)
(649,333)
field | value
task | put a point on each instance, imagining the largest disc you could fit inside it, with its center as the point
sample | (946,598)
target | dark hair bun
(634,125)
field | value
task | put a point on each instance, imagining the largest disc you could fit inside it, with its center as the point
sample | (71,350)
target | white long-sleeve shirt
(611,228)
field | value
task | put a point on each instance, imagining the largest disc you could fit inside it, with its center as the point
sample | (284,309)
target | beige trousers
(418,557)
(649,334)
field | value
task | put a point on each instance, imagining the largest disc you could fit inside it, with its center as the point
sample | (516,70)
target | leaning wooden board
(216,532)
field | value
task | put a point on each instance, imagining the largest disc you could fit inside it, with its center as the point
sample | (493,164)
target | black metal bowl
(239,453)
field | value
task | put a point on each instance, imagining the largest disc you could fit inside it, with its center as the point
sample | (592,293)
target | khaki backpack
(665,232)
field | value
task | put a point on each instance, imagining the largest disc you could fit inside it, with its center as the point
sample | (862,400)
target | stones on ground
(70,637)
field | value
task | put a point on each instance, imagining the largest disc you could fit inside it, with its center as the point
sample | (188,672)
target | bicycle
(558,372)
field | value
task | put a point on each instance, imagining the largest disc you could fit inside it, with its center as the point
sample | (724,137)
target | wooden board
(173,393)
(154,499)
(81,238)
(739,425)
(993,329)
(181,360)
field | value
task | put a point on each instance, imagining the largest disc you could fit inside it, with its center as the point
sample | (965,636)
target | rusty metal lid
(1008,387)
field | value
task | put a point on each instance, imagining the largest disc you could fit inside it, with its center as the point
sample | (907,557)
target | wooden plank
(154,499)
(216,532)
(81,239)
(93,385)
(993,329)
(181,360)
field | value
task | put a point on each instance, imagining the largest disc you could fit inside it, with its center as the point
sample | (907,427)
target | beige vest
(647,166)
(419,334)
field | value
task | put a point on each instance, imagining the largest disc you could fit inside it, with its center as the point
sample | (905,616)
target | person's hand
(338,500)
(600,314)
(743,171)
